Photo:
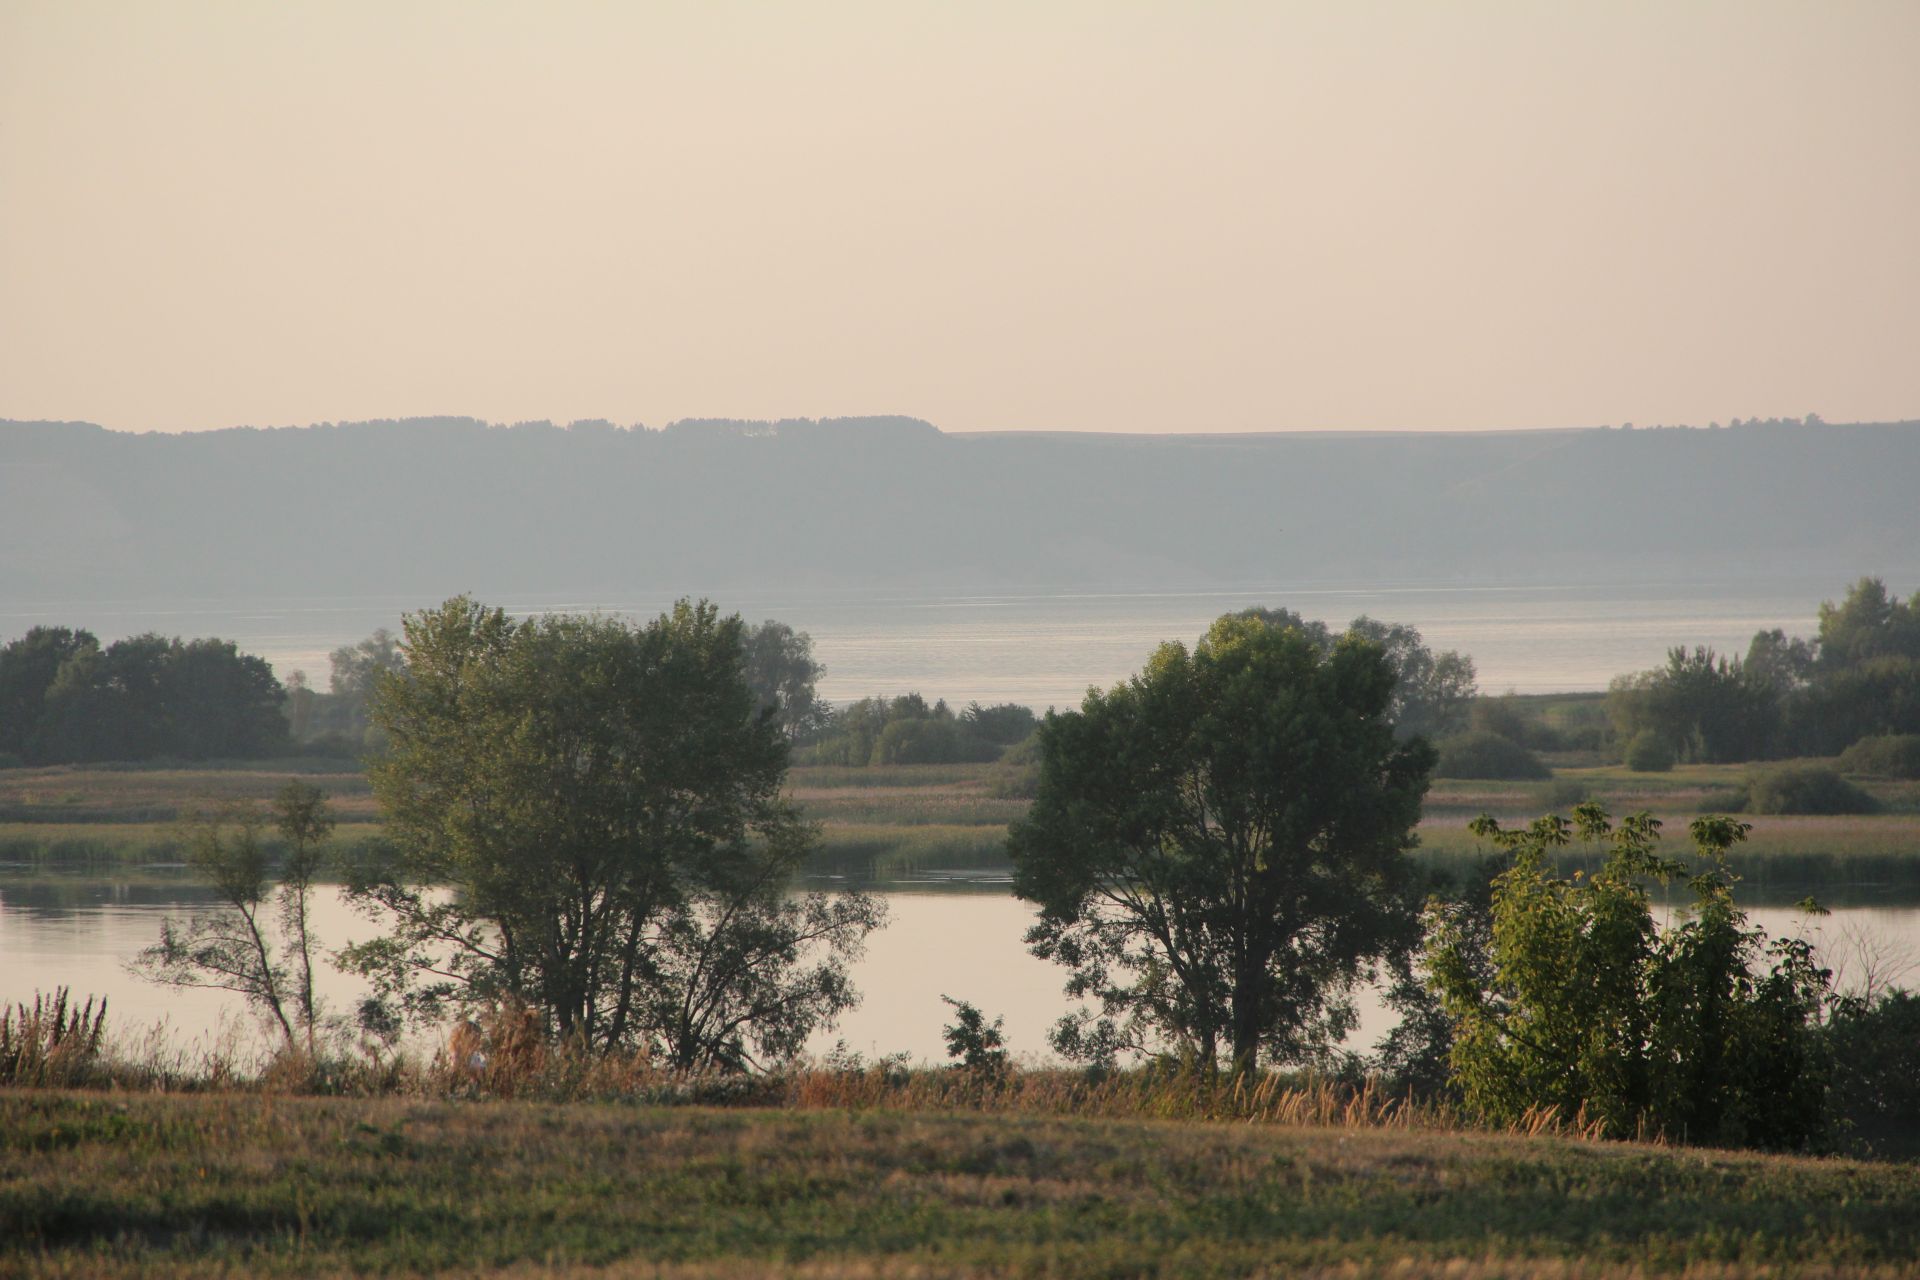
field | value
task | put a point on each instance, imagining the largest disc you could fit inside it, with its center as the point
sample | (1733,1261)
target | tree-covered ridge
(405,508)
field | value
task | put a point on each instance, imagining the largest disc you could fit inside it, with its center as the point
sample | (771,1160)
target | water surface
(959,935)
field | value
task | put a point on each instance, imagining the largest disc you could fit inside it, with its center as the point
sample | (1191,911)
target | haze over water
(1044,649)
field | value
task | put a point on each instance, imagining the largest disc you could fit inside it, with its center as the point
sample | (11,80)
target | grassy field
(902,820)
(141,1185)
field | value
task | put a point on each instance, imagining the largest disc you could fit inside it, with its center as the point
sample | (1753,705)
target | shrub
(931,742)
(1499,715)
(1506,717)
(1885,755)
(1649,753)
(1582,1005)
(1562,794)
(1003,725)
(1813,789)
(1875,1047)
(1488,755)
(978,1047)
(1017,775)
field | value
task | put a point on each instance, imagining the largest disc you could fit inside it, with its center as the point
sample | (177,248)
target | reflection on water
(957,932)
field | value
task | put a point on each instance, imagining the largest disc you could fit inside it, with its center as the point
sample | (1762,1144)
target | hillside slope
(423,506)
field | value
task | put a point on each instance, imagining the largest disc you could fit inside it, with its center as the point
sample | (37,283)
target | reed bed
(54,1043)
(108,845)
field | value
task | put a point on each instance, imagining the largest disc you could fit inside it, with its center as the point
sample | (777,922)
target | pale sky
(1101,216)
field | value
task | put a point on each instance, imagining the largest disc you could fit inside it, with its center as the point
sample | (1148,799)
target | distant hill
(428,506)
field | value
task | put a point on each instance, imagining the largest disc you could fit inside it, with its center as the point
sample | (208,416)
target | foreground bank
(124,1185)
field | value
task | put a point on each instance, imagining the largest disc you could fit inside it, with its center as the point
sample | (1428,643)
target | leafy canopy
(1582,1004)
(588,816)
(1218,847)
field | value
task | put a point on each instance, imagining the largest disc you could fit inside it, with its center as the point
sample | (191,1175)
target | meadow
(902,820)
(257,1184)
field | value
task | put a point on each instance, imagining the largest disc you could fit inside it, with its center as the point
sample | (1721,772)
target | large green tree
(588,815)
(1218,846)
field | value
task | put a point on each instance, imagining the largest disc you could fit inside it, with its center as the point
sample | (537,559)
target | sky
(996,216)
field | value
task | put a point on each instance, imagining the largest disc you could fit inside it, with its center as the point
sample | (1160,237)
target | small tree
(977,1046)
(1218,847)
(1592,1010)
(234,947)
(782,674)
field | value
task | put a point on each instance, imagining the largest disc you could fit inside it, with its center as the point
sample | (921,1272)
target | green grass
(104,1185)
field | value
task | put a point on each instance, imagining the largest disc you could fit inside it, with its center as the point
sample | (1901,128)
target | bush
(977,1046)
(1649,753)
(1885,755)
(1506,717)
(1017,775)
(1578,1003)
(1813,789)
(1489,756)
(1875,1100)
(1563,794)
(1003,725)
(931,742)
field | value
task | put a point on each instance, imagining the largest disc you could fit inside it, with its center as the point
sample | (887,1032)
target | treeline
(66,699)
(905,730)
(1855,681)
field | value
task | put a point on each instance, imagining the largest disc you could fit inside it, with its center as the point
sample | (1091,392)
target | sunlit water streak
(1046,648)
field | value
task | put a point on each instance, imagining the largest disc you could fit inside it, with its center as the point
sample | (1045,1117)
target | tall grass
(53,1043)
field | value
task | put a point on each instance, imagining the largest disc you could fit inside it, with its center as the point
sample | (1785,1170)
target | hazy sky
(1113,216)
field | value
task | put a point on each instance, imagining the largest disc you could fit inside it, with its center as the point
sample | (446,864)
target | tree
(782,673)
(604,802)
(1432,692)
(1582,1004)
(978,1047)
(28,668)
(1218,847)
(141,697)
(219,701)
(234,947)
(1703,706)
(1003,724)
(355,672)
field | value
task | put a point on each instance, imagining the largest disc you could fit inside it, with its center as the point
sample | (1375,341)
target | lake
(1044,649)
(962,939)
